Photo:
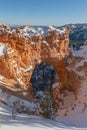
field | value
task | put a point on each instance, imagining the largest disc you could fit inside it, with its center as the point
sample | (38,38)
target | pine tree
(47,104)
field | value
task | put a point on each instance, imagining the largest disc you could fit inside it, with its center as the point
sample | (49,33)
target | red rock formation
(22,54)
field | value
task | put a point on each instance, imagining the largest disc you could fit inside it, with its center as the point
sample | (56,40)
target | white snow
(1,77)
(77,112)
(22,122)
(82,52)
(26,69)
(27,122)
(38,31)
(29,32)
(10,100)
(56,84)
(45,42)
(2,49)
(56,41)
(2,30)
(11,51)
(33,43)
(19,80)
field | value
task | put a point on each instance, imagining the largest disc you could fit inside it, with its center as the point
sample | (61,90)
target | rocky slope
(75,110)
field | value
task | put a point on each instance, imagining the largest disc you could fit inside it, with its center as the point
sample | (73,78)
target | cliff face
(21,53)
(25,47)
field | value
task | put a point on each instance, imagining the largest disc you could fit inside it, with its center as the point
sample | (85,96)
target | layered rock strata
(25,47)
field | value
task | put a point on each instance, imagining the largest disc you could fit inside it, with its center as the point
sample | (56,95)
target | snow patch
(1,77)
(2,49)
(82,52)
(26,69)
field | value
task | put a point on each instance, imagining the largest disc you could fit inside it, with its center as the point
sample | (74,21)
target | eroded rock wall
(26,47)
(27,52)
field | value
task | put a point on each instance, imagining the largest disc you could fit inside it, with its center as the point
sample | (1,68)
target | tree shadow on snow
(33,121)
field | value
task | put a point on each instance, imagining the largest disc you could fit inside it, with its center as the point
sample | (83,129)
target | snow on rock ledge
(27,46)
(2,49)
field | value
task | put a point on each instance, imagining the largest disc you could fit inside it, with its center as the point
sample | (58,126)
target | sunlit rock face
(25,47)
(31,59)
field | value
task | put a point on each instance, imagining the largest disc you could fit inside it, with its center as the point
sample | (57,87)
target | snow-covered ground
(27,122)
(32,122)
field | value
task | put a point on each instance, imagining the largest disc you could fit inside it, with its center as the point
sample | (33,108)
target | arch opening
(44,75)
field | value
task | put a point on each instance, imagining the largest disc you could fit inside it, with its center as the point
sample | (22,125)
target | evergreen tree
(47,104)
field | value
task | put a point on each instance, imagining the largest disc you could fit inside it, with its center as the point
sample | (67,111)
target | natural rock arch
(23,54)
